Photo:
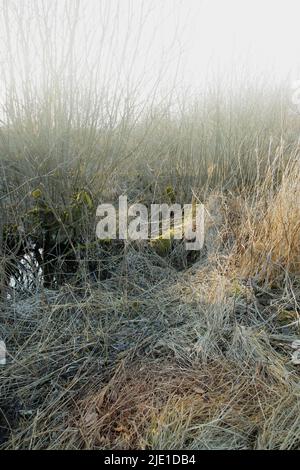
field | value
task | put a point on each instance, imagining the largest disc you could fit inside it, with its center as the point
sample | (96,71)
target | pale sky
(194,39)
(262,34)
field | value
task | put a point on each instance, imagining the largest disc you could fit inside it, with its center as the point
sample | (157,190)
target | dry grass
(193,360)
(164,406)
(273,232)
(166,352)
(125,347)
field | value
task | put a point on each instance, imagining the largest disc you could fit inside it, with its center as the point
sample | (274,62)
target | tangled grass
(122,345)
(155,358)
(165,351)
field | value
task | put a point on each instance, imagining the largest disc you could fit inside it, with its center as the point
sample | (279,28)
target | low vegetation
(116,344)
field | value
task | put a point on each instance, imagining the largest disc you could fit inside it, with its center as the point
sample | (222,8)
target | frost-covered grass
(118,345)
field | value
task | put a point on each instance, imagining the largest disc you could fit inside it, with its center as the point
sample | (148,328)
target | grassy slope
(164,354)
(160,350)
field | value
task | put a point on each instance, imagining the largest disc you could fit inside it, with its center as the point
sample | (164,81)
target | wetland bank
(142,344)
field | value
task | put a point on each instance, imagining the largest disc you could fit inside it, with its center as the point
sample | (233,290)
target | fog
(181,43)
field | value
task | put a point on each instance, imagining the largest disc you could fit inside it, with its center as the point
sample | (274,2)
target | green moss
(170,193)
(36,193)
(84,198)
(162,246)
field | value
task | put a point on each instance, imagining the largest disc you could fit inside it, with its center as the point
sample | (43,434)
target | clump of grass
(272,235)
(165,406)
